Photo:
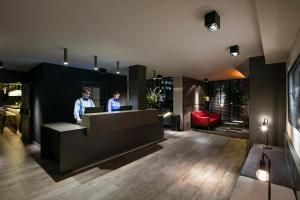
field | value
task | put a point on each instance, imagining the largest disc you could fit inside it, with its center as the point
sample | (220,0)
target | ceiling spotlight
(206,80)
(234,50)
(66,56)
(154,75)
(118,71)
(159,77)
(1,65)
(212,21)
(96,63)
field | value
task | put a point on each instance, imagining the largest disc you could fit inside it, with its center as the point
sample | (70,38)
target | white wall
(293,133)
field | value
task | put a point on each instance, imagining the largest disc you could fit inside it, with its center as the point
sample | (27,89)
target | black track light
(234,50)
(212,21)
(66,56)
(118,71)
(1,65)
(96,63)
(159,77)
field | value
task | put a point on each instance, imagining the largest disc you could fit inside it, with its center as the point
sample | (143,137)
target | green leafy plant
(152,97)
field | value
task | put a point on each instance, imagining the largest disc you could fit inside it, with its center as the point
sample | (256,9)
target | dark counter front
(102,136)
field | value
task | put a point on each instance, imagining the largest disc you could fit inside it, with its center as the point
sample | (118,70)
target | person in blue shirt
(113,103)
(81,104)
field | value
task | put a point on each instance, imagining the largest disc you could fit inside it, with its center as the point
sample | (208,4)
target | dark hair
(116,92)
(85,91)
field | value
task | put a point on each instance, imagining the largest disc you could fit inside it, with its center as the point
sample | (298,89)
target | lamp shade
(262,175)
(264,128)
(262,172)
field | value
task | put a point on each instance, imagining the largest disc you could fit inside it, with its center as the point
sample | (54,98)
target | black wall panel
(267,99)
(56,88)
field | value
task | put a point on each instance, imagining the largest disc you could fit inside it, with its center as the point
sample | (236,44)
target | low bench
(249,188)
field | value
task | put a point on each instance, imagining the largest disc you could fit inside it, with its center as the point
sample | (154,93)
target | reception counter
(101,136)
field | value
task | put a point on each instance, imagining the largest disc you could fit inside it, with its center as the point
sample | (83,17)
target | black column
(267,99)
(137,87)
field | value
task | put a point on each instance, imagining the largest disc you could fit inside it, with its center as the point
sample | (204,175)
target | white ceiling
(168,36)
(279,22)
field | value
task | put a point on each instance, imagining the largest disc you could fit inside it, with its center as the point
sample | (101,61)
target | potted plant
(152,97)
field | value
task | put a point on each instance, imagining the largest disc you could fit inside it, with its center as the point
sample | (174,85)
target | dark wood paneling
(56,87)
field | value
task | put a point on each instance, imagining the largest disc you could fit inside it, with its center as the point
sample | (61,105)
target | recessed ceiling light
(212,21)
(234,50)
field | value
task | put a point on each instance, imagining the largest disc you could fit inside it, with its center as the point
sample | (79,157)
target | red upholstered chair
(203,118)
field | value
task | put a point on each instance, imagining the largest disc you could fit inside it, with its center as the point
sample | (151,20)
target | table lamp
(264,128)
(263,173)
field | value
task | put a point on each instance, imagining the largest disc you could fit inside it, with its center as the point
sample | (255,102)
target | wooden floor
(187,165)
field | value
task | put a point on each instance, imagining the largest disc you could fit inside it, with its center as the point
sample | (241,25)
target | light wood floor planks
(188,165)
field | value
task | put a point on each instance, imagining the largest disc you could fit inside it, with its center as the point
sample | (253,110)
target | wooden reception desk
(105,122)
(101,136)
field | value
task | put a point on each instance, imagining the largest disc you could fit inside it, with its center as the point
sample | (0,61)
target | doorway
(10,107)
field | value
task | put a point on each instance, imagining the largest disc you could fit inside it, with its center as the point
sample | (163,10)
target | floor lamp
(264,129)
(263,173)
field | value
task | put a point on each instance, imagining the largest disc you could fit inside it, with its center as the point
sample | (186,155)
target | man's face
(85,95)
(117,96)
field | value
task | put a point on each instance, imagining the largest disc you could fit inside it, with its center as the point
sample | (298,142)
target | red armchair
(203,118)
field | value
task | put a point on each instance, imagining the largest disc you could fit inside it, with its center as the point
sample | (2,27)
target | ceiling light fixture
(66,56)
(234,50)
(1,65)
(159,77)
(154,74)
(96,63)
(118,71)
(212,21)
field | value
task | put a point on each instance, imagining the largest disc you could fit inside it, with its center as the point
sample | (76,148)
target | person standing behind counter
(81,104)
(113,103)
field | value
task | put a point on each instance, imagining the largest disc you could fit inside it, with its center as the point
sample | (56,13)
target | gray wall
(137,87)
(193,93)
(178,98)
(267,99)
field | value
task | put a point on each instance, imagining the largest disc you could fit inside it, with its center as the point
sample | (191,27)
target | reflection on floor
(228,131)
(187,165)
